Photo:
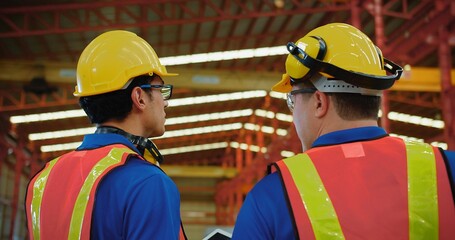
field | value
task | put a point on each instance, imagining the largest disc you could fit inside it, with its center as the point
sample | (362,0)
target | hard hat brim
(161,74)
(169,74)
(284,85)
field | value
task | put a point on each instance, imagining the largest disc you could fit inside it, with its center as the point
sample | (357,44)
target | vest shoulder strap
(307,192)
(59,173)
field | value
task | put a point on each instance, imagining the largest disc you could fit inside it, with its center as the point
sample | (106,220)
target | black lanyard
(142,143)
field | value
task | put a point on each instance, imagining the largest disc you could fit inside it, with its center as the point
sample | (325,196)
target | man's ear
(137,96)
(321,104)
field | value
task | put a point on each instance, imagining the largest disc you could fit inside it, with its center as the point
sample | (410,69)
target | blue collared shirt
(265,214)
(134,201)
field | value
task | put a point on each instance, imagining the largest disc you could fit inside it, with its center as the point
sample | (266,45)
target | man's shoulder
(140,169)
(137,175)
(267,186)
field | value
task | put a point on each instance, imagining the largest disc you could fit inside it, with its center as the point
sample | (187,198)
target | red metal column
(34,162)
(20,160)
(239,159)
(379,31)
(3,156)
(5,126)
(355,14)
(238,203)
(248,152)
(225,161)
(447,88)
(231,204)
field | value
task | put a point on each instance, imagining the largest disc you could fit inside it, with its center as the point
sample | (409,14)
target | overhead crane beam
(417,79)
(421,79)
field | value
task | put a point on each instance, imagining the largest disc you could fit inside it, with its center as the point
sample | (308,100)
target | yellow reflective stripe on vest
(321,213)
(38,191)
(422,192)
(113,157)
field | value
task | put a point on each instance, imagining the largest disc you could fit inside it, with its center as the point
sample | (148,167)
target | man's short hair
(352,106)
(114,105)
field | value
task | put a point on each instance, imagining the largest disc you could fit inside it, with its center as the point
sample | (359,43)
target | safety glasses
(165,89)
(290,96)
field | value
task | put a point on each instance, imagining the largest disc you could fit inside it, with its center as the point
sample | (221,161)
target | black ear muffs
(320,56)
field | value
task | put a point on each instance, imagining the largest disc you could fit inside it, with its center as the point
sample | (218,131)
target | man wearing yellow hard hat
(111,187)
(353,180)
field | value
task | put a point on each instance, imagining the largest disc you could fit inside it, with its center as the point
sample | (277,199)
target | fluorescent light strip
(442,145)
(194,148)
(61,134)
(264,113)
(245,146)
(201,130)
(265,129)
(167,134)
(168,151)
(216,98)
(224,55)
(286,154)
(423,121)
(60,147)
(210,116)
(172,103)
(47,116)
(170,121)
(277,95)
(269,114)
(176,133)
(284,117)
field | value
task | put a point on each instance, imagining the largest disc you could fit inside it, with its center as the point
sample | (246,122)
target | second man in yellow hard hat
(111,187)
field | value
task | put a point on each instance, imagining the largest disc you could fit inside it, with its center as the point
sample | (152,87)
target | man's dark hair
(112,105)
(353,106)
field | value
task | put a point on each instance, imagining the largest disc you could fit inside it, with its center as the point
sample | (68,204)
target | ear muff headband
(322,48)
(354,78)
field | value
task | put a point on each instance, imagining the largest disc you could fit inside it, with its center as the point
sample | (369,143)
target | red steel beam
(15,99)
(50,17)
(426,27)
(420,99)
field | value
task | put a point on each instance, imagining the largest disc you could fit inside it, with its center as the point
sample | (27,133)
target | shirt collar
(98,140)
(350,135)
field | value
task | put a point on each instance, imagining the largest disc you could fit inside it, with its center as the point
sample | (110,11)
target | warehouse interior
(224,125)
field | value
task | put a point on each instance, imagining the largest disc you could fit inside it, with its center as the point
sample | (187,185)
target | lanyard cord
(142,143)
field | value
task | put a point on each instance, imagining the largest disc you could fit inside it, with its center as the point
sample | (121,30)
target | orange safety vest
(378,189)
(53,214)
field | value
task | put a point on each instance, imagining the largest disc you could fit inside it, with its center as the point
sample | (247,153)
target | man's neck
(124,125)
(345,124)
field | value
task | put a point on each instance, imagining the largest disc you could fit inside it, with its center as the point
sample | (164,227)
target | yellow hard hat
(338,51)
(112,59)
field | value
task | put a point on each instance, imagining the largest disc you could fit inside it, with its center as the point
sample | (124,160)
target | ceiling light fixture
(172,103)
(224,55)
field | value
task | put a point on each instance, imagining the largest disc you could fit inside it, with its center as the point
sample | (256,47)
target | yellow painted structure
(417,79)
